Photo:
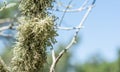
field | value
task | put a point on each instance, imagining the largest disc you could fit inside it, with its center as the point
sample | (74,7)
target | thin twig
(4,20)
(6,6)
(69,28)
(65,12)
(11,21)
(6,35)
(85,16)
(60,4)
(81,8)
(4,28)
(3,66)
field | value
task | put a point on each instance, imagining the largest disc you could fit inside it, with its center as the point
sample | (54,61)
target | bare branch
(75,10)
(85,16)
(10,25)
(73,41)
(4,20)
(53,58)
(4,28)
(93,2)
(6,35)
(53,55)
(85,2)
(69,28)
(6,6)
(65,12)
(72,10)
(60,4)
(3,67)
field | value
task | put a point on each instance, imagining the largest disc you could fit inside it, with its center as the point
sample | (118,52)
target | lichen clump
(35,33)
(35,7)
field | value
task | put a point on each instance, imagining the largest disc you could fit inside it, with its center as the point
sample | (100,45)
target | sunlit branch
(73,40)
(3,67)
(6,6)
(69,28)
(64,12)
(75,10)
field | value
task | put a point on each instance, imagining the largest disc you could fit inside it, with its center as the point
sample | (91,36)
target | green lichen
(35,33)
(33,38)
(35,7)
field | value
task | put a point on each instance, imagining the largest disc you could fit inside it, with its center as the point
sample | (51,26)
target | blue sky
(101,33)
(102,30)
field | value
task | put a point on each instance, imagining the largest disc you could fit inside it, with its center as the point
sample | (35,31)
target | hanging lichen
(35,7)
(35,33)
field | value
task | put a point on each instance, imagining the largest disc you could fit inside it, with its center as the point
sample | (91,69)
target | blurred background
(98,44)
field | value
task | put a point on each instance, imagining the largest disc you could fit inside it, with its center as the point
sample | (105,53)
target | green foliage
(97,66)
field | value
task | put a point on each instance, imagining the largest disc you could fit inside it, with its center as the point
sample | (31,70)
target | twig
(11,25)
(69,28)
(4,20)
(3,67)
(75,10)
(64,13)
(72,10)
(54,59)
(53,54)
(6,35)
(4,28)
(85,16)
(60,4)
(73,39)
(6,6)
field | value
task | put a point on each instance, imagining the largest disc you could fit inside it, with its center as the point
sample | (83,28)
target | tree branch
(6,6)
(73,41)
(65,12)
(3,67)
(81,8)
(69,28)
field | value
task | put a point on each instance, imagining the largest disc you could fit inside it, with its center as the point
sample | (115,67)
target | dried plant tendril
(35,33)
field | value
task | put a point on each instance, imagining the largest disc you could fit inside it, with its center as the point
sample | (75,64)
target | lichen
(35,7)
(35,33)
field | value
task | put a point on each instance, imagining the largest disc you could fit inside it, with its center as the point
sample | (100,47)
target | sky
(100,33)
